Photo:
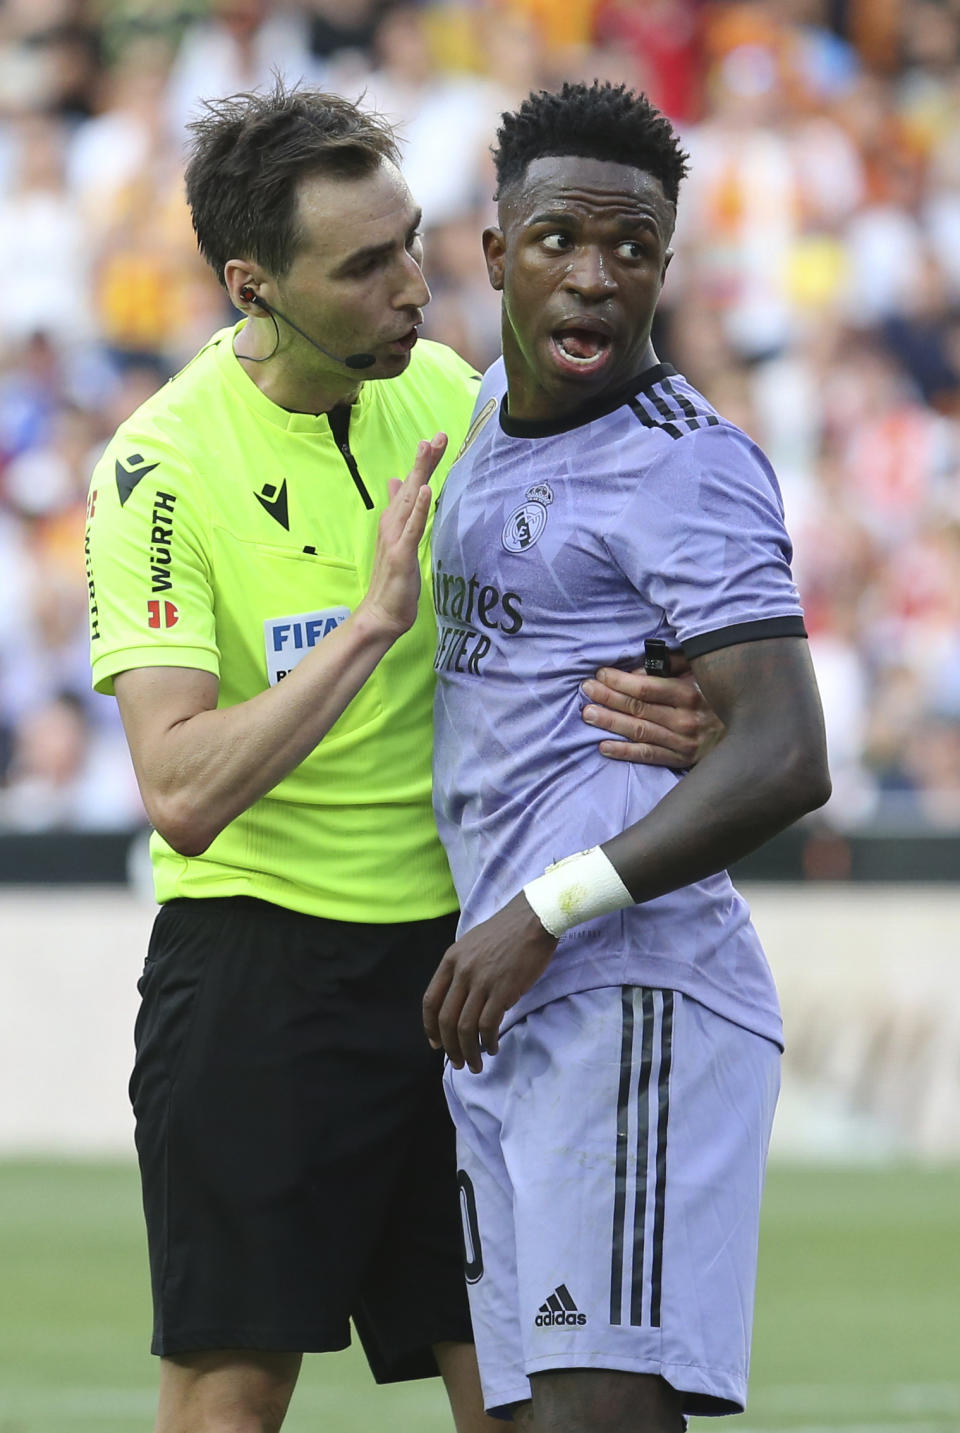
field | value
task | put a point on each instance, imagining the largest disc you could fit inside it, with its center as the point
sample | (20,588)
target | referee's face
(580,258)
(355,283)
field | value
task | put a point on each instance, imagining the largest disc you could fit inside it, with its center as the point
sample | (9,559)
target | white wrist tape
(575,890)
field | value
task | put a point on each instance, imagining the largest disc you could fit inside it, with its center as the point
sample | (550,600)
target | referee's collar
(599,408)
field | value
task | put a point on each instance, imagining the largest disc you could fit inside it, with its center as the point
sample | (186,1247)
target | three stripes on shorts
(643,1107)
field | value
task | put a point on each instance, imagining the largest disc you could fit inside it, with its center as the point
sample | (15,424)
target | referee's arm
(200,766)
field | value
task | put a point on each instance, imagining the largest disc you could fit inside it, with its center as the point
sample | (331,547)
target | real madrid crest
(525,524)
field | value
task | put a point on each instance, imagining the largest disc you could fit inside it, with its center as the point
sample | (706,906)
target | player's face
(581,259)
(356,283)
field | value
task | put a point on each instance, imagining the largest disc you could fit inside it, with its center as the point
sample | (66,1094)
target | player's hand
(394,590)
(478,980)
(665,720)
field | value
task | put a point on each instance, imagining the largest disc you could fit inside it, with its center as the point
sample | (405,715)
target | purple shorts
(611,1165)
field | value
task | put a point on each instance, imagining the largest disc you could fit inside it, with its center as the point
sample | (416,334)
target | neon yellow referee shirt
(227,534)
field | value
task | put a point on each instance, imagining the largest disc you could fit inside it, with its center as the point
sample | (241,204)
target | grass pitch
(857,1327)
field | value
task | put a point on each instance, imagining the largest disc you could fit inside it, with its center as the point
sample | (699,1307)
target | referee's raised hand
(394,589)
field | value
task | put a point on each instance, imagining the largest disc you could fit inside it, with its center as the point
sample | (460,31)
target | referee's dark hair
(599,121)
(248,153)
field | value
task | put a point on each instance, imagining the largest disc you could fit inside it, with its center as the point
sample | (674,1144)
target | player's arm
(663,721)
(768,769)
(199,767)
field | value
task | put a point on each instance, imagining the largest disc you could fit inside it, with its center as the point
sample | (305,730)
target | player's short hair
(599,121)
(248,153)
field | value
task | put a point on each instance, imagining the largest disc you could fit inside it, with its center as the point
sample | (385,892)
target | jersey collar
(258,402)
(545,428)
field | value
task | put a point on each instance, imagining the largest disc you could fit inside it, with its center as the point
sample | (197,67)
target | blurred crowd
(814,297)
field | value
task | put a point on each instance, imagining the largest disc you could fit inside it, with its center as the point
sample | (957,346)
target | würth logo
(274,501)
(559,1309)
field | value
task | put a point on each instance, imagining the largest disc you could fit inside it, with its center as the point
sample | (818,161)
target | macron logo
(559,1309)
(127,478)
(274,501)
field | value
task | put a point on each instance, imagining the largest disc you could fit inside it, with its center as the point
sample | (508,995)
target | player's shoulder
(693,459)
(488,395)
(665,403)
(692,433)
(494,381)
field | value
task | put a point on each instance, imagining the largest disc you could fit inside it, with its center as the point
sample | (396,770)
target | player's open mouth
(581,350)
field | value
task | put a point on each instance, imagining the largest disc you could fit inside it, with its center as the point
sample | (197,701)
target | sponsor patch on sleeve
(287,640)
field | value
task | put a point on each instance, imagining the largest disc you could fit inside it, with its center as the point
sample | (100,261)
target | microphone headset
(354,360)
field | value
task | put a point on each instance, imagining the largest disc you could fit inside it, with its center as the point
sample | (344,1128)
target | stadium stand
(815,297)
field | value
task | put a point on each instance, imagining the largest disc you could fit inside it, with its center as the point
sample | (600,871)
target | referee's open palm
(394,590)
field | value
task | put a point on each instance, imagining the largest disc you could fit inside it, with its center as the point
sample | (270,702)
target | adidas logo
(559,1309)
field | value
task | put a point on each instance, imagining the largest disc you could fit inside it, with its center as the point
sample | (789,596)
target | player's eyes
(630,249)
(556,243)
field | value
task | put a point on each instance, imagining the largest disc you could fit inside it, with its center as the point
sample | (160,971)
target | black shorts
(296,1154)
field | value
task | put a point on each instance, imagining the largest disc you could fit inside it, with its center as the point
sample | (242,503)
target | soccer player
(256,607)
(612,1144)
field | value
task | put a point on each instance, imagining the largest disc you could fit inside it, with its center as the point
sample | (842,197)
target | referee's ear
(494,251)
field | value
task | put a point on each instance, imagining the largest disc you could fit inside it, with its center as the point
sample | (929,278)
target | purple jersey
(557,548)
